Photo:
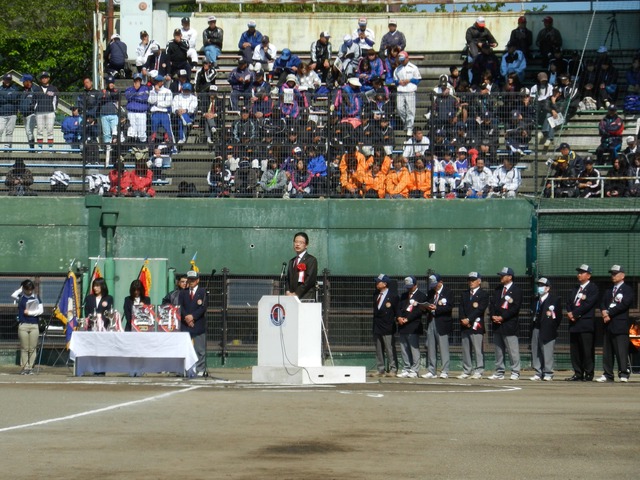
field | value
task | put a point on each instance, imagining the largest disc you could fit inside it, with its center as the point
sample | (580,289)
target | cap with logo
(211,18)
(473,276)
(434,278)
(382,278)
(325,34)
(185,20)
(192,274)
(506,271)
(584,268)
(251,24)
(480,21)
(393,22)
(544,281)
(616,269)
(410,282)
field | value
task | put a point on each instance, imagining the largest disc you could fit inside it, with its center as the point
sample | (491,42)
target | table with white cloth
(134,353)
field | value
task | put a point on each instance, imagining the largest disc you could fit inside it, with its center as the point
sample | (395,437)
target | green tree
(52,35)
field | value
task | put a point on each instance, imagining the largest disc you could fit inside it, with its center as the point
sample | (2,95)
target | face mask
(541,290)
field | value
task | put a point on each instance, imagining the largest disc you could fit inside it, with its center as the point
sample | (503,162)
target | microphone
(284,267)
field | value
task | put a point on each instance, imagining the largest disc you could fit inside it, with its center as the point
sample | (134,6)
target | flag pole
(93,272)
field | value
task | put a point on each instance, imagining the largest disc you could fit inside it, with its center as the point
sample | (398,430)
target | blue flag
(68,308)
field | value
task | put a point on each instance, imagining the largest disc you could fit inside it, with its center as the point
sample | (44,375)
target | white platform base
(308,375)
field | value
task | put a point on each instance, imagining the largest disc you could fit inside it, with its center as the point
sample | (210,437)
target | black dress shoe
(588,378)
(574,378)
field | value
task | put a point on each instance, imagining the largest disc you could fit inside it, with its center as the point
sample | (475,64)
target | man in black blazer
(408,316)
(473,304)
(581,312)
(385,303)
(193,308)
(504,309)
(547,315)
(158,61)
(302,271)
(615,306)
(439,326)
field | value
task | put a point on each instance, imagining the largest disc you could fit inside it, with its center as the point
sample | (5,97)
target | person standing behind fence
(173,297)
(581,312)
(193,309)
(27,108)
(302,270)
(473,304)
(547,315)
(46,103)
(504,309)
(385,303)
(439,326)
(615,306)
(9,99)
(29,309)
(406,78)
(137,97)
(409,315)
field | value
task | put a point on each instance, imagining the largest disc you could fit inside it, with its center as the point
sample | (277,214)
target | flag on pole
(194,267)
(145,278)
(95,274)
(68,308)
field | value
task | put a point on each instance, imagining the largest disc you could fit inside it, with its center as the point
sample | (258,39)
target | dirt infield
(57,426)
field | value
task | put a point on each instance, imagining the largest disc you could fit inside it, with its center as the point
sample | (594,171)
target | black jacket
(442,314)
(411,311)
(547,317)
(384,318)
(473,308)
(618,307)
(307,271)
(507,307)
(583,308)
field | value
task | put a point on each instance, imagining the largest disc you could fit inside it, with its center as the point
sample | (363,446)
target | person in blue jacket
(29,309)
(72,128)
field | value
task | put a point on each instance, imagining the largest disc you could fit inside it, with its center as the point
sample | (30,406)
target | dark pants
(615,346)
(582,354)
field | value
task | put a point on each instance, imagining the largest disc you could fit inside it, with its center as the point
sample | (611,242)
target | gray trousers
(472,340)
(7,125)
(410,350)
(510,343)
(386,345)
(200,346)
(436,342)
(541,355)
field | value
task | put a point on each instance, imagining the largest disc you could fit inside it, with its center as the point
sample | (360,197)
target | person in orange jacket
(420,180)
(351,171)
(352,153)
(397,184)
(119,180)
(141,179)
(373,182)
(381,158)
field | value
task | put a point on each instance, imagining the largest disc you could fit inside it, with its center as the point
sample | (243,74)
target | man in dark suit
(547,315)
(439,326)
(581,312)
(302,271)
(158,61)
(615,306)
(504,309)
(409,321)
(193,307)
(473,304)
(385,303)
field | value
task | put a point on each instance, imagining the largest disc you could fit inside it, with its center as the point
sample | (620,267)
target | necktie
(379,299)
(191,294)
(578,297)
(615,290)
(504,291)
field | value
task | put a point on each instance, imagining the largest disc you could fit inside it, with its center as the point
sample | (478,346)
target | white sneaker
(464,376)
(496,376)
(536,378)
(412,374)
(540,137)
(624,379)
(409,132)
(428,375)
(403,374)
(548,379)
(547,143)
(444,375)
(603,379)
(515,376)
(476,376)
(180,142)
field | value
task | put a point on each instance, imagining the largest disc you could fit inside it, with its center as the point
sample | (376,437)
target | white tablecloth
(132,352)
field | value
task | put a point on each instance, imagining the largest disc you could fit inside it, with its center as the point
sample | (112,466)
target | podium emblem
(277,315)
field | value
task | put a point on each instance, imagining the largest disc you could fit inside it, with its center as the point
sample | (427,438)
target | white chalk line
(99,410)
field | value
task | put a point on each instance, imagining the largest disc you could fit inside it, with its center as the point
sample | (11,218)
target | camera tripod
(613,30)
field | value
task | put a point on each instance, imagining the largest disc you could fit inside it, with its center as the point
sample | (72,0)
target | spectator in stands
(273,180)
(141,180)
(321,56)
(522,38)
(634,172)
(46,104)
(555,116)
(158,62)
(249,40)
(541,92)
(476,36)
(632,146)
(617,183)
(19,179)
(205,77)
(485,61)
(446,177)
(416,146)
(210,109)
(363,36)
(219,179)
(292,101)
(589,180)
(393,38)
(420,180)
(212,40)
(406,77)
(137,97)
(109,108)
(177,50)
(391,62)
(157,162)
(9,101)
(478,180)
(301,181)
(607,83)
(89,98)
(259,81)
(308,81)
(241,80)
(160,100)
(348,104)
(351,173)
(143,50)
(588,82)
(373,182)
(184,107)
(379,99)
(261,105)
(454,77)
(398,179)
(633,77)
(265,54)
(317,166)
(119,180)
(244,131)
(370,66)
(548,39)
(190,36)
(115,57)
(72,128)
(576,67)
(558,63)
(285,64)
(487,153)
(378,132)
(486,128)
(462,163)
(506,179)
(176,85)
(611,128)
(564,181)
(517,133)
(514,61)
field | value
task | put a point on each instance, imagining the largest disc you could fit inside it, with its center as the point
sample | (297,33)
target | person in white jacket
(513,61)
(160,100)
(184,107)
(406,77)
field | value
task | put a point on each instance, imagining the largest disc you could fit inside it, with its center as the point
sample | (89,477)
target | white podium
(289,345)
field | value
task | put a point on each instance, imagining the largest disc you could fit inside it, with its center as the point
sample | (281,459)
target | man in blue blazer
(193,308)
(547,314)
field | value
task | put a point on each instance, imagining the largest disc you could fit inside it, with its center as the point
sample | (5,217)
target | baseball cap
(182,73)
(435,278)
(137,76)
(286,54)
(382,278)
(155,47)
(547,19)
(584,268)
(159,78)
(27,78)
(362,21)
(393,21)
(462,150)
(192,274)
(563,145)
(212,18)
(612,108)
(403,56)
(177,31)
(115,35)
(251,24)
(410,282)
(480,21)
(522,19)
(325,34)
(186,86)
(107,79)
(8,77)
(616,269)
(506,271)
(347,38)
(588,160)
(185,20)
(297,150)
(44,74)
(630,138)
(265,39)
(602,49)
(473,276)
(544,281)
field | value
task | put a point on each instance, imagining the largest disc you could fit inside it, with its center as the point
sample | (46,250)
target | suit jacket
(128,308)
(411,311)
(508,307)
(106,303)
(304,289)
(384,318)
(618,308)
(196,307)
(442,314)
(164,64)
(547,317)
(583,309)
(473,308)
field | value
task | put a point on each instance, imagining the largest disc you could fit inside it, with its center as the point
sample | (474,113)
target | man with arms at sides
(547,315)
(193,308)
(385,303)
(473,304)
(581,312)
(302,270)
